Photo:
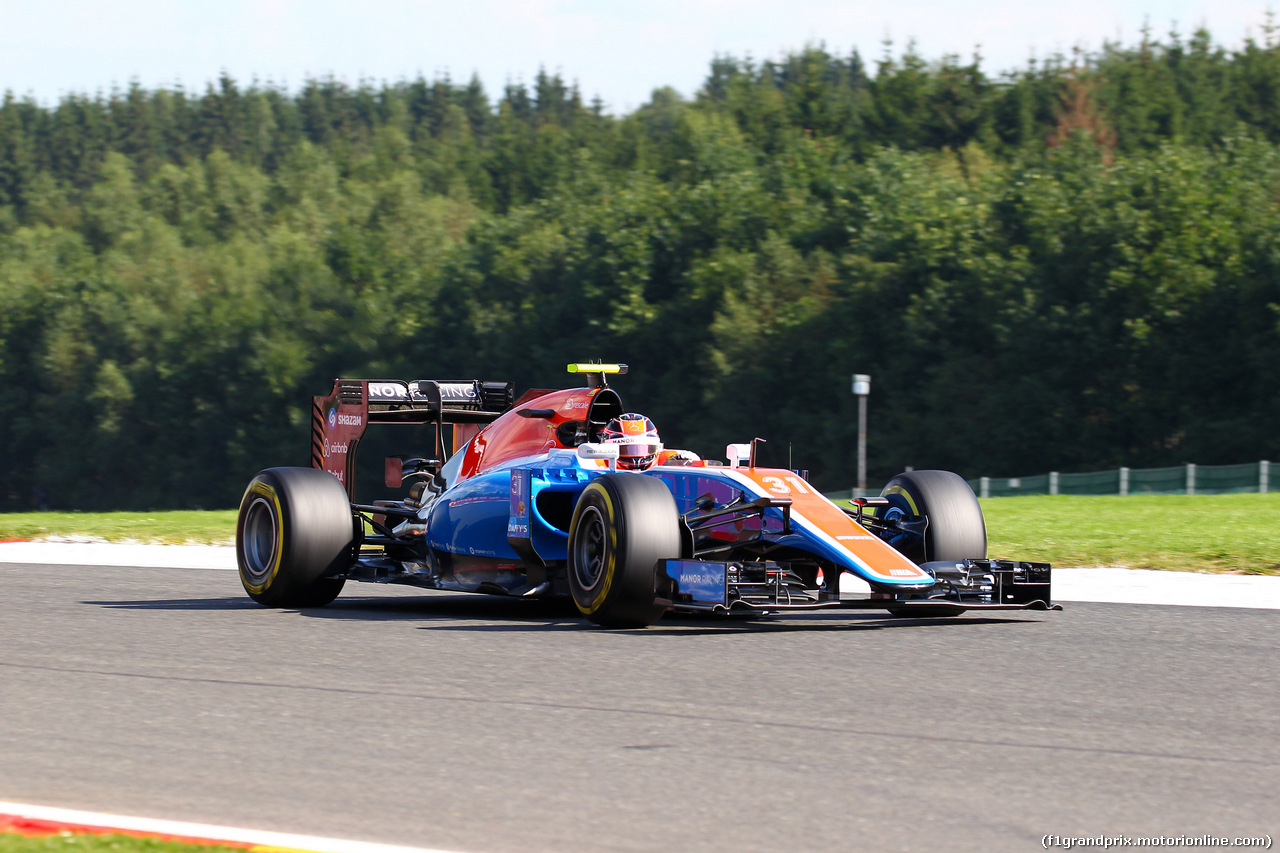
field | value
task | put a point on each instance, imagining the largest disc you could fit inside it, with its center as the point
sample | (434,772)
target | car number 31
(785,485)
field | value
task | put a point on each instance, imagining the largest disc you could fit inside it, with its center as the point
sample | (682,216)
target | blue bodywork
(482,528)
(477,517)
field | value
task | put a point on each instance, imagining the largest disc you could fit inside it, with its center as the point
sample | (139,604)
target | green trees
(1069,265)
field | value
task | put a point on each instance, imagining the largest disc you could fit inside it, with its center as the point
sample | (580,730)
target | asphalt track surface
(481,724)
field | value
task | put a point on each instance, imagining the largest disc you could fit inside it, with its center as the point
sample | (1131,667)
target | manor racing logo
(457,392)
(393,391)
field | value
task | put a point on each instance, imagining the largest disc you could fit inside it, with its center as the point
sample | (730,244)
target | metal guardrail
(1189,479)
(1176,480)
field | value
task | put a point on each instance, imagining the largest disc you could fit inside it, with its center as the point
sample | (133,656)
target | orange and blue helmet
(637,440)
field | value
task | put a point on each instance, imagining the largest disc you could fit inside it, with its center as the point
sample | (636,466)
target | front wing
(695,586)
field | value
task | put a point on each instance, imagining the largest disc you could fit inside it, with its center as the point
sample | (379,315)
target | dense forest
(1070,266)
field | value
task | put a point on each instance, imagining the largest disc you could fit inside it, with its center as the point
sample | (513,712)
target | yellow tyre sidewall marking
(611,561)
(906,496)
(263,490)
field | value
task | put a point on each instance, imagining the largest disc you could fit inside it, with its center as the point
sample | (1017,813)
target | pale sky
(619,50)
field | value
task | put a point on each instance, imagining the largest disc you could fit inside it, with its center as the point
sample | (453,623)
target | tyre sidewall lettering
(609,569)
(269,493)
(897,489)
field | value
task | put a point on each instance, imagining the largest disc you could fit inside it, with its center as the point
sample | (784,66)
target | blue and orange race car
(545,496)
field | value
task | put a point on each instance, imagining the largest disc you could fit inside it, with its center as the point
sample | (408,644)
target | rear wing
(338,420)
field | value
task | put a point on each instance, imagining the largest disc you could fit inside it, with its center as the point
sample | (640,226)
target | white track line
(204,831)
(1103,585)
(1143,586)
(120,554)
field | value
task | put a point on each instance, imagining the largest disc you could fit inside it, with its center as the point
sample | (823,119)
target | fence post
(1124,482)
(984,487)
(1053,482)
(1264,476)
(1191,478)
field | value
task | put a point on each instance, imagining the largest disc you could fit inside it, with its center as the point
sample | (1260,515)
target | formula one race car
(536,499)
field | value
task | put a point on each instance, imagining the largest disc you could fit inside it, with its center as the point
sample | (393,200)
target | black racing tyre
(956,530)
(295,527)
(622,526)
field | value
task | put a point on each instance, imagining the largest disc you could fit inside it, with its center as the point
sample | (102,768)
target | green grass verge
(14,843)
(1199,533)
(177,527)
(1215,533)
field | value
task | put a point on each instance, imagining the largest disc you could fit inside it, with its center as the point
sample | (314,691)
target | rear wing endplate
(338,420)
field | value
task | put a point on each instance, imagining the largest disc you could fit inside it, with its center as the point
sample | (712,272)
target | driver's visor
(633,451)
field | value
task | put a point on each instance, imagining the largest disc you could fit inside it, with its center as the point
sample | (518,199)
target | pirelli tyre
(623,524)
(955,528)
(294,529)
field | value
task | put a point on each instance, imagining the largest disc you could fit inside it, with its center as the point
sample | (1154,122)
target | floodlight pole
(861,389)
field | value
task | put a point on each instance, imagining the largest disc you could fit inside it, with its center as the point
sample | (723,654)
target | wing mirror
(609,452)
(739,453)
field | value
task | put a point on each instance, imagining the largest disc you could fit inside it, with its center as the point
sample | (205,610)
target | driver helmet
(637,439)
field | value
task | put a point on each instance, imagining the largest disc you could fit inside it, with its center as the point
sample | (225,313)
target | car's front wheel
(622,526)
(293,531)
(955,529)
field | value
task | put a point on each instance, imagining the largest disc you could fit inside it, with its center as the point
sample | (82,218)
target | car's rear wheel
(623,524)
(955,528)
(294,530)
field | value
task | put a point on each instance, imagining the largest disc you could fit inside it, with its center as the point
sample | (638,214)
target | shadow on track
(234,603)
(446,610)
(463,612)
(452,607)
(709,626)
